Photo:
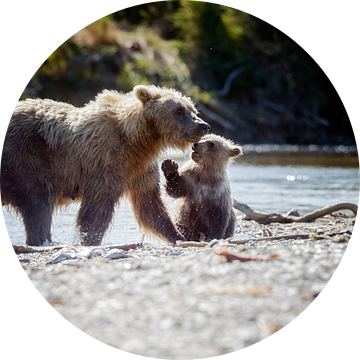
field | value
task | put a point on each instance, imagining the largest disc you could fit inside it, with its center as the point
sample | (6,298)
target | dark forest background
(251,82)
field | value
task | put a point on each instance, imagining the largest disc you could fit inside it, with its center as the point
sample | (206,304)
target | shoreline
(328,228)
(154,295)
(301,150)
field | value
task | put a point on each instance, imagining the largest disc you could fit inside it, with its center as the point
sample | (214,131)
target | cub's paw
(168,167)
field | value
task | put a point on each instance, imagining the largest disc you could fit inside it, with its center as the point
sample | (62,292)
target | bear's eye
(211,144)
(180,110)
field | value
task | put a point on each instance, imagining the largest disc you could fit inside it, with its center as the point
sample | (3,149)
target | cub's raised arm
(175,183)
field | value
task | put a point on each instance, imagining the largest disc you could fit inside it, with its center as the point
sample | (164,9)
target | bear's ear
(143,93)
(235,151)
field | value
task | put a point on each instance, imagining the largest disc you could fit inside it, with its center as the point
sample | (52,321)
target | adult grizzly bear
(204,205)
(55,153)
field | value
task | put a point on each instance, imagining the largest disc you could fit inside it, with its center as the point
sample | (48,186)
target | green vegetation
(239,69)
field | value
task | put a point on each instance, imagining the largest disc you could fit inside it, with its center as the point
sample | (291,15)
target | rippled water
(314,183)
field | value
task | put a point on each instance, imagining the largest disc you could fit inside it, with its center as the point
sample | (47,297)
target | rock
(212,243)
(116,254)
(340,239)
(293,212)
(58,257)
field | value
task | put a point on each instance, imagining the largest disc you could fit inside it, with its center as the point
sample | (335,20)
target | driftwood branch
(266,218)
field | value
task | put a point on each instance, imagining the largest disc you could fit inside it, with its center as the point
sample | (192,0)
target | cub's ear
(143,93)
(236,151)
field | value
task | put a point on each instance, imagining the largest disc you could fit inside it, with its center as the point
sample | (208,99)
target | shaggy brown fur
(204,208)
(55,153)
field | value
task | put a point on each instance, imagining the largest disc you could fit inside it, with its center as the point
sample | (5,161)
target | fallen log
(267,218)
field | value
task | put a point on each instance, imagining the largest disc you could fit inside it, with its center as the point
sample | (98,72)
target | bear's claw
(169,166)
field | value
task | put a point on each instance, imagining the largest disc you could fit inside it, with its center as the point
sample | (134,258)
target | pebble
(59,257)
(116,254)
(213,243)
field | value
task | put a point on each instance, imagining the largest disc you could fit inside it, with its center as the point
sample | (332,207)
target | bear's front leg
(151,213)
(175,184)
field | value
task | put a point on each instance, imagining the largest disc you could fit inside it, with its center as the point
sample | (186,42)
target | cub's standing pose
(204,205)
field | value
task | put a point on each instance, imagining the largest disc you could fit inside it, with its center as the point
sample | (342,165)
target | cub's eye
(180,110)
(211,144)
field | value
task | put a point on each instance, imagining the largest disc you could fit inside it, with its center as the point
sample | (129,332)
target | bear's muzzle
(205,127)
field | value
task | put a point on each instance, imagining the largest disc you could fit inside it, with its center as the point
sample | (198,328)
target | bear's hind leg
(37,215)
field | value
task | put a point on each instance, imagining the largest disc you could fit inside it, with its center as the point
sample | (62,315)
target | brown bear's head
(173,115)
(214,151)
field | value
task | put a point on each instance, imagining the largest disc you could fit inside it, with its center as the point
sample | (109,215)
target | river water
(266,183)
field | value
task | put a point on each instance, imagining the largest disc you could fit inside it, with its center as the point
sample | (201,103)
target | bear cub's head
(214,151)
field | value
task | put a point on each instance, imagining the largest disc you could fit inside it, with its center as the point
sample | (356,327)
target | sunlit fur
(204,205)
(55,153)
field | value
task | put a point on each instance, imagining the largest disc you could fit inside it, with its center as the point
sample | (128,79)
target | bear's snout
(205,127)
(198,131)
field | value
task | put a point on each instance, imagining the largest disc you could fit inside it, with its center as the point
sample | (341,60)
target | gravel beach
(140,300)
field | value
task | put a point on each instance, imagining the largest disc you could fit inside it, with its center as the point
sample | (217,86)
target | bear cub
(204,205)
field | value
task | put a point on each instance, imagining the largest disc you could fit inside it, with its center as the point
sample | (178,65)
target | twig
(270,238)
(234,255)
(25,249)
(191,243)
(214,117)
(280,109)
